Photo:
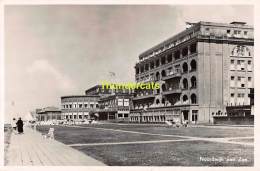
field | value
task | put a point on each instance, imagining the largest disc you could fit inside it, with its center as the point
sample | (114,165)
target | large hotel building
(201,70)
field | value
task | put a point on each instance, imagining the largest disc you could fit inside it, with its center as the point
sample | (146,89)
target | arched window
(163,73)
(157,101)
(185,98)
(193,65)
(157,76)
(193,82)
(185,84)
(184,67)
(193,98)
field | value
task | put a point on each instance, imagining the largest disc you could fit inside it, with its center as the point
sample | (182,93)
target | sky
(57,50)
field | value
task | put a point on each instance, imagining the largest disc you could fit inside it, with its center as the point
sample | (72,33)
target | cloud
(43,68)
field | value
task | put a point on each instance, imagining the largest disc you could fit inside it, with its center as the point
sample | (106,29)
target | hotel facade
(201,70)
(98,102)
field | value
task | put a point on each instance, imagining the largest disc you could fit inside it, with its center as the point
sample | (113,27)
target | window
(232,64)
(232,78)
(157,76)
(163,73)
(239,78)
(232,95)
(126,102)
(185,67)
(194,115)
(163,60)
(137,70)
(193,48)
(185,83)
(169,58)
(242,85)
(146,67)
(237,33)
(185,52)
(193,65)
(249,83)
(185,98)
(249,65)
(193,99)
(177,55)
(157,63)
(142,69)
(238,62)
(152,65)
(193,82)
(228,32)
(245,34)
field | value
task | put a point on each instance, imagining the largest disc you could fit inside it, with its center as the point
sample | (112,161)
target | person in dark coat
(19,124)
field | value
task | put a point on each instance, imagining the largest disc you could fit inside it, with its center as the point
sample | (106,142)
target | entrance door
(194,118)
(185,114)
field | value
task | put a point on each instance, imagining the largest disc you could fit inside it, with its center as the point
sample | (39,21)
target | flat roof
(72,96)
(235,24)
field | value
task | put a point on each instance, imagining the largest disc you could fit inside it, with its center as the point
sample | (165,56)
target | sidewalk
(31,149)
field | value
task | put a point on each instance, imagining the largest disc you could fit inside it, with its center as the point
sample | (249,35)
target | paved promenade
(31,149)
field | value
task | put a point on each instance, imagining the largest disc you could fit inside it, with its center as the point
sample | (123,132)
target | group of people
(17,125)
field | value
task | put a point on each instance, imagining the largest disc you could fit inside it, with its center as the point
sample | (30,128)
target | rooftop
(190,27)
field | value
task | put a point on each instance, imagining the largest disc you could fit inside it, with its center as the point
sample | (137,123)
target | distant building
(78,107)
(202,70)
(115,107)
(48,114)
(114,104)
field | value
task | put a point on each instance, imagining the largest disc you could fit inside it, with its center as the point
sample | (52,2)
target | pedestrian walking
(13,124)
(19,124)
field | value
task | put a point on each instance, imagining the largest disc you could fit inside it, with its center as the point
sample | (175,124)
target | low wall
(234,120)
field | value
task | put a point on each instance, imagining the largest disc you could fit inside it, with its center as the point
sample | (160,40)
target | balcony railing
(144,97)
(174,75)
(172,91)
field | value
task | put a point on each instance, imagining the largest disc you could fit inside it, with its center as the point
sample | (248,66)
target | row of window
(241,65)
(240,100)
(167,59)
(169,86)
(232,33)
(71,106)
(241,82)
(169,71)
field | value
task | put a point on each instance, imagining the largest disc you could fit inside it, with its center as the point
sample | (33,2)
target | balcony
(144,97)
(172,91)
(170,76)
